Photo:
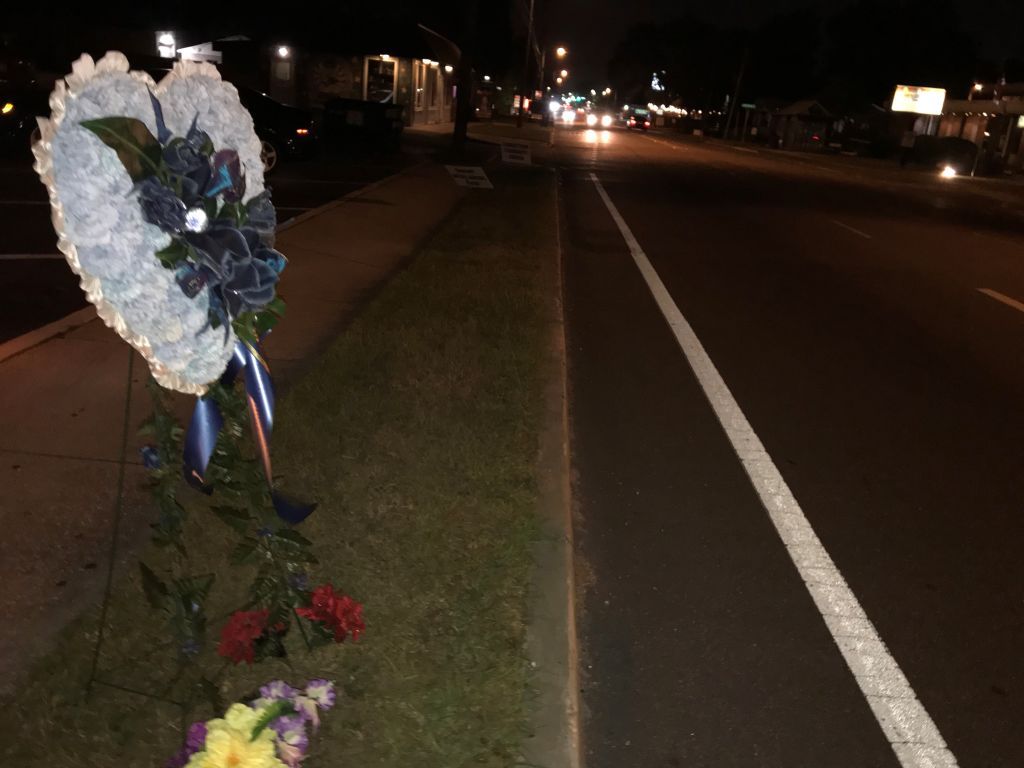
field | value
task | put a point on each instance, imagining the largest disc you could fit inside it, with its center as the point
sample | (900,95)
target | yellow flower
(229,743)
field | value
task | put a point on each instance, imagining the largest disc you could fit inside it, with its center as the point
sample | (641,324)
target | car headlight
(606,121)
(591,120)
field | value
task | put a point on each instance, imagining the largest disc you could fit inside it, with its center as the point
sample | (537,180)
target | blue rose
(160,206)
(226,255)
(261,213)
(190,167)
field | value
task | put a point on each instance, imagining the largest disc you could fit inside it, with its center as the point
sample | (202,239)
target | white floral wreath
(100,225)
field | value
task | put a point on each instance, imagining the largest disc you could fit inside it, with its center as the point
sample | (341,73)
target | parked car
(283,131)
(19,108)
(364,121)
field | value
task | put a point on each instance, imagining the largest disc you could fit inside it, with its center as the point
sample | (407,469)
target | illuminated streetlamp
(564,73)
(560,52)
(283,52)
(558,80)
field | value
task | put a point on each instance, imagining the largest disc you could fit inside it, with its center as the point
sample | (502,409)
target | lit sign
(919,100)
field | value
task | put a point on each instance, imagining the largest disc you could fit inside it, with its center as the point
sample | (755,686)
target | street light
(560,52)
(283,51)
(558,80)
(564,73)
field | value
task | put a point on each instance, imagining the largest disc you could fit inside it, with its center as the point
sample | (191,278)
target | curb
(551,633)
(26,341)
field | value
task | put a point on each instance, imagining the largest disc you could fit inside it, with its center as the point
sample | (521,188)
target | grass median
(417,432)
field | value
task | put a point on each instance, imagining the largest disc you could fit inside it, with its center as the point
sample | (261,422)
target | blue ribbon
(207,422)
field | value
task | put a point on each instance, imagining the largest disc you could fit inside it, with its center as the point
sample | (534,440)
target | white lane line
(847,227)
(903,719)
(744,149)
(1003,298)
(29,256)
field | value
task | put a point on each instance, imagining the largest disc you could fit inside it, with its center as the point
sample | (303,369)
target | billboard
(918,99)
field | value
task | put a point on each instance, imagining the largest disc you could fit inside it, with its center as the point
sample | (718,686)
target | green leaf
(137,148)
(294,537)
(194,589)
(277,709)
(238,519)
(173,254)
(244,551)
(210,206)
(155,590)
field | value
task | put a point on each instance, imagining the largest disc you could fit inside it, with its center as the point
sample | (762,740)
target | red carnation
(340,614)
(238,635)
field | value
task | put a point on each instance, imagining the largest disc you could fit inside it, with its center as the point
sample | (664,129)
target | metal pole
(736,94)
(526,68)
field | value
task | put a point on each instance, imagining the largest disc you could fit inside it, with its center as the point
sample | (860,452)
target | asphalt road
(36,286)
(843,313)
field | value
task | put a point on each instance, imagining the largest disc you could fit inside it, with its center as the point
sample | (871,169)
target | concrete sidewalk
(71,404)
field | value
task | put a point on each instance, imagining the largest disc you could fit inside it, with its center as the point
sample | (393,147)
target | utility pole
(464,75)
(736,93)
(526,68)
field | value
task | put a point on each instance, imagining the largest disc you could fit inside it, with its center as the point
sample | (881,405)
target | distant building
(993,118)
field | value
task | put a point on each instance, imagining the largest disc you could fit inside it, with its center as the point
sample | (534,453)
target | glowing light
(569,116)
(918,100)
(165,45)
(591,120)
(196,219)
(558,80)
(487,78)
(606,121)
(948,172)
(385,57)
(560,52)
(564,73)
(554,106)
(283,51)
(302,131)
(448,68)
(7,108)
(978,87)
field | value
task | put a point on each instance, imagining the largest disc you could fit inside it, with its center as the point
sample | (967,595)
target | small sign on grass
(515,152)
(470,176)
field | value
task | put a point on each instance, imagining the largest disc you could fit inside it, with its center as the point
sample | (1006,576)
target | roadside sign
(470,176)
(918,99)
(515,152)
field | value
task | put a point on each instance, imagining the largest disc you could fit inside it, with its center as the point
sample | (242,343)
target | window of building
(380,80)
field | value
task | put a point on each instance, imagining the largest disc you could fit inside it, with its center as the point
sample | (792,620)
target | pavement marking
(1003,298)
(743,149)
(903,719)
(29,256)
(855,231)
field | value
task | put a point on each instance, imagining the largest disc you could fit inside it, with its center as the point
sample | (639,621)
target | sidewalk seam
(78,318)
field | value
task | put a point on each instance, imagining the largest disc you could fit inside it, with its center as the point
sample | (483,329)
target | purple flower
(277,690)
(227,179)
(196,738)
(292,740)
(194,742)
(322,692)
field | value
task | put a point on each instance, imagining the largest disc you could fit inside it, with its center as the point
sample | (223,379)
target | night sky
(594,27)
